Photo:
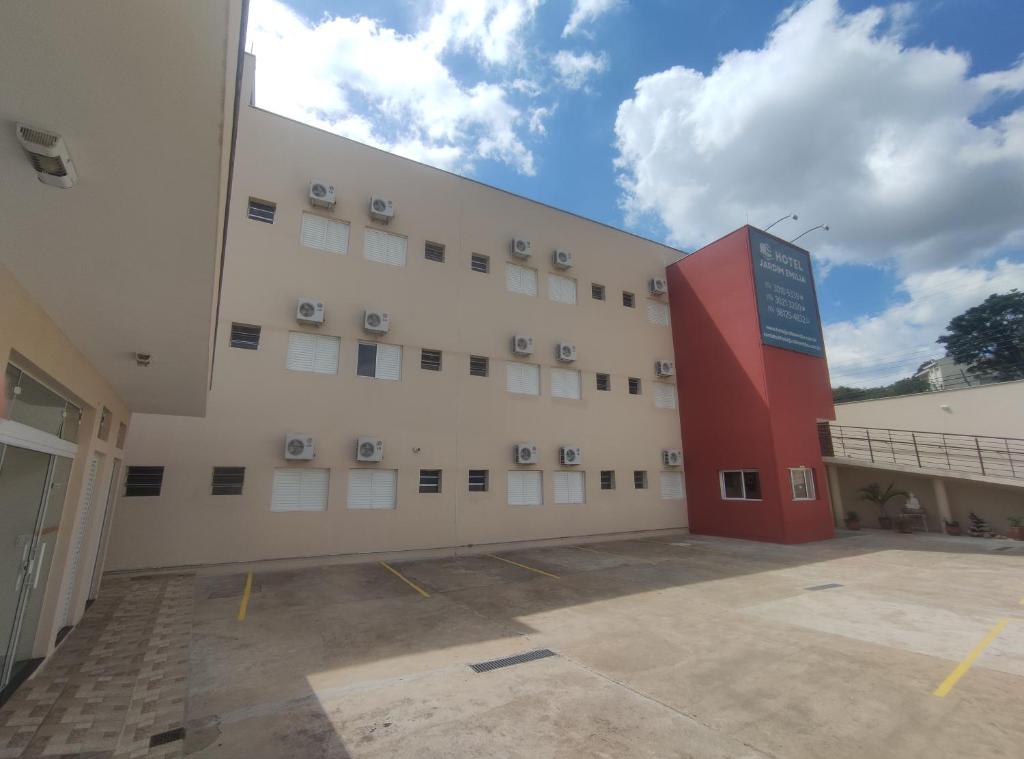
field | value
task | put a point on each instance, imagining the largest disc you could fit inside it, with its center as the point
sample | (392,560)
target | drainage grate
(508,661)
(168,736)
(826,586)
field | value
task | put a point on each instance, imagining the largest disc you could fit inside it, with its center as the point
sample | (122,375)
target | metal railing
(969,454)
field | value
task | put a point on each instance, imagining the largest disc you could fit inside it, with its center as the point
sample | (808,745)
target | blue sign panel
(786,303)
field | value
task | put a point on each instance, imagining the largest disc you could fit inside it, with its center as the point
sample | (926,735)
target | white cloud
(586,11)
(888,346)
(575,68)
(538,116)
(837,119)
(366,81)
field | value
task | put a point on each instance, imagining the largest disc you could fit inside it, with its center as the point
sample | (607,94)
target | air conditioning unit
(561,259)
(658,286)
(382,209)
(525,453)
(378,322)
(519,248)
(665,368)
(49,156)
(369,449)
(299,447)
(322,194)
(672,457)
(565,352)
(310,311)
(522,345)
(570,455)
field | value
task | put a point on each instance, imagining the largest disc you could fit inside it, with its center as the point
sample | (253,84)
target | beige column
(835,495)
(942,502)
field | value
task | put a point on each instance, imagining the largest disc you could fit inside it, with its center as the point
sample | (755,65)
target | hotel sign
(786,302)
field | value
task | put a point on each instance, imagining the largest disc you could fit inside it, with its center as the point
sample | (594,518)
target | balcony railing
(967,454)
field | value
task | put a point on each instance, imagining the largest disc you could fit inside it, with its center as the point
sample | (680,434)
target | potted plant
(873,493)
(952,527)
(852,520)
(1016,530)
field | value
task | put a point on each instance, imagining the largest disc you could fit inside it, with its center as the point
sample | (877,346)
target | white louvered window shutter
(671,485)
(372,488)
(523,379)
(519,279)
(389,362)
(384,247)
(313,353)
(327,350)
(300,489)
(525,489)
(565,383)
(664,395)
(562,289)
(569,487)
(324,234)
(657,313)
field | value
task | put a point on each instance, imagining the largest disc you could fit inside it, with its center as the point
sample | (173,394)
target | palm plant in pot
(852,520)
(874,493)
(1016,530)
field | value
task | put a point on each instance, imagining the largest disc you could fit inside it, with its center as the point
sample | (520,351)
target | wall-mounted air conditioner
(321,194)
(382,209)
(369,449)
(299,447)
(522,345)
(377,322)
(525,453)
(310,311)
(569,455)
(519,248)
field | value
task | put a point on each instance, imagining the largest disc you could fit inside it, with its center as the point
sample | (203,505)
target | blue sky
(901,125)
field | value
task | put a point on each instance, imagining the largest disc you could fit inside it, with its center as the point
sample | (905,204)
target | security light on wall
(143,359)
(49,156)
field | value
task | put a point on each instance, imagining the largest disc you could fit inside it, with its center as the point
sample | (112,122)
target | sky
(900,125)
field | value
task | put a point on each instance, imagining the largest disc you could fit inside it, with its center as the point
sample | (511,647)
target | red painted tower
(753,383)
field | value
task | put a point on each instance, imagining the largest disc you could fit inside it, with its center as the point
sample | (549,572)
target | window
(671,486)
(122,433)
(628,299)
(300,489)
(430,480)
(565,383)
(478,480)
(634,386)
(664,395)
(384,247)
(372,488)
(430,360)
(480,263)
(525,489)
(741,484)
(227,480)
(245,336)
(639,480)
(479,366)
(106,419)
(143,480)
(31,403)
(570,487)
(519,279)
(433,251)
(604,381)
(380,361)
(657,313)
(262,210)
(607,479)
(321,233)
(523,378)
(801,478)
(313,353)
(562,289)
(597,292)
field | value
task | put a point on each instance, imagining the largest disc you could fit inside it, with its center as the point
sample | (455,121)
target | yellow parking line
(404,579)
(244,605)
(962,667)
(524,566)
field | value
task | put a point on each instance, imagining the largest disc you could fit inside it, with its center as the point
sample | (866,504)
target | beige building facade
(441,389)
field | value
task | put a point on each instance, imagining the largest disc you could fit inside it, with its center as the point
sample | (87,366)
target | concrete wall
(996,410)
(31,340)
(447,420)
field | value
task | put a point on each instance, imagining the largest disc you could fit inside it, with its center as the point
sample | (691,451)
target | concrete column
(942,502)
(836,495)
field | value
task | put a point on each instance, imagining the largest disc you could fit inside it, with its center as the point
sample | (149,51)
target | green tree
(989,337)
(907,386)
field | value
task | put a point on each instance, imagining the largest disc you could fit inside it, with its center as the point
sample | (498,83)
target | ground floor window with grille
(671,485)
(741,484)
(379,361)
(372,488)
(430,480)
(607,479)
(570,487)
(802,480)
(228,480)
(639,480)
(525,488)
(478,480)
(300,489)
(143,480)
